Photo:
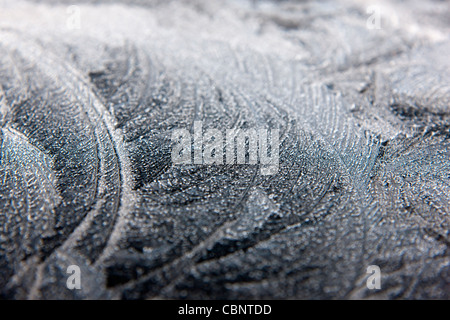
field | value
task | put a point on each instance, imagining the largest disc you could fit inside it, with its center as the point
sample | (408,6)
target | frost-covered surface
(85,169)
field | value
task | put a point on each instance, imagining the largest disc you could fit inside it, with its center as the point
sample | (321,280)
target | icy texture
(86,173)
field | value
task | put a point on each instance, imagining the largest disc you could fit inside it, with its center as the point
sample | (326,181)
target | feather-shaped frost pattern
(90,96)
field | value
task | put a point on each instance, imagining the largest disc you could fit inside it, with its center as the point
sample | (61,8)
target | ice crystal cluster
(89,96)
